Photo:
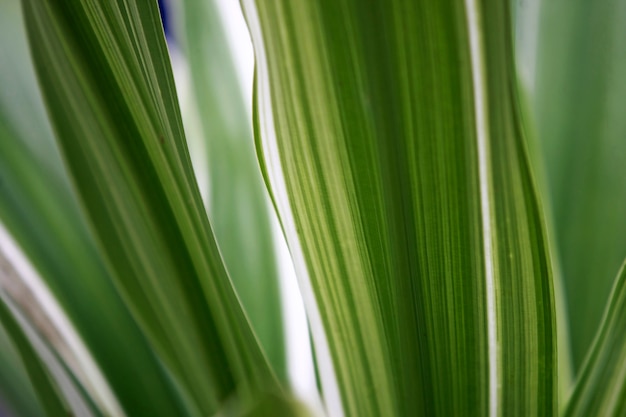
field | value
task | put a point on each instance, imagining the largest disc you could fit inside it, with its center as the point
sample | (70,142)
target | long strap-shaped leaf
(390,137)
(105,75)
(526,45)
(601,386)
(15,387)
(38,208)
(57,390)
(49,396)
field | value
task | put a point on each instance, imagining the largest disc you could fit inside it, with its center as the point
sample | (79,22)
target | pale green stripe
(108,87)
(367,139)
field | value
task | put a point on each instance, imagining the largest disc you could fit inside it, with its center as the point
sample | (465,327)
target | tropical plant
(448,176)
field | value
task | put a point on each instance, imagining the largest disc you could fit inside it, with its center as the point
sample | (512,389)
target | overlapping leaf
(104,71)
(37,206)
(601,386)
(47,392)
(56,391)
(391,139)
(236,195)
(16,391)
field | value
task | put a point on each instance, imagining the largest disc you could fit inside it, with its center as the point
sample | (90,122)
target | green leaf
(601,386)
(391,138)
(273,405)
(16,391)
(50,376)
(579,98)
(236,202)
(48,395)
(38,207)
(265,404)
(46,390)
(106,80)
(526,44)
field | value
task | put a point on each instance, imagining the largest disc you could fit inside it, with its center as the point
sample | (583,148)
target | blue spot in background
(165,20)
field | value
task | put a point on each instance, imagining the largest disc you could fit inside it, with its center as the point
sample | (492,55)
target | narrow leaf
(56,387)
(38,207)
(16,392)
(391,138)
(276,406)
(105,75)
(48,394)
(601,386)
(526,45)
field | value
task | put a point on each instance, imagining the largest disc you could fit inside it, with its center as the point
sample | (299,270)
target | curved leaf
(526,45)
(105,76)
(579,100)
(16,391)
(601,386)
(236,196)
(47,393)
(38,207)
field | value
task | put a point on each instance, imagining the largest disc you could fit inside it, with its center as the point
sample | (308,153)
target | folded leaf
(391,139)
(526,45)
(236,194)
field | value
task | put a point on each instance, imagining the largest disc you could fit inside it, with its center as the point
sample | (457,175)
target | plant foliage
(450,257)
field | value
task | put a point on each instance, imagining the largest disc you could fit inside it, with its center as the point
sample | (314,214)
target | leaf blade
(40,210)
(368,135)
(601,383)
(105,75)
